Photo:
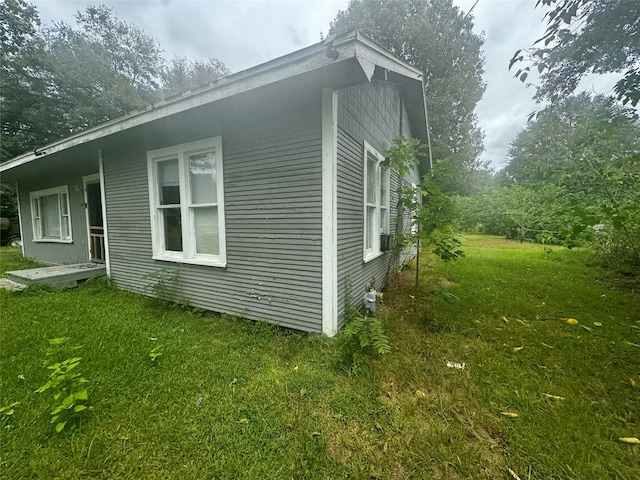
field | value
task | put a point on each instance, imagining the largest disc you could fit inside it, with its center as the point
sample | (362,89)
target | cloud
(241,33)
(507,25)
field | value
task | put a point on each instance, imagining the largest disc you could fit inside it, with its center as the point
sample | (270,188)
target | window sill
(372,256)
(50,240)
(191,261)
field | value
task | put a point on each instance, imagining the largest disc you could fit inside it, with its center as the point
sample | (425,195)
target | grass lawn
(229,398)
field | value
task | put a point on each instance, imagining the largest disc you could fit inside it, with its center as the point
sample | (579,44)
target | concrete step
(10,285)
(59,276)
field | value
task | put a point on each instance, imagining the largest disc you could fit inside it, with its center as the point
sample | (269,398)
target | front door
(93,204)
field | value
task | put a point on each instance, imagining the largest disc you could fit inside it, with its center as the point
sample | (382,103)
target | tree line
(61,79)
(573,173)
(572,178)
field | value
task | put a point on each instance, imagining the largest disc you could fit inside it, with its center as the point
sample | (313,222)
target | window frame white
(189,254)
(413,227)
(36,217)
(378,228)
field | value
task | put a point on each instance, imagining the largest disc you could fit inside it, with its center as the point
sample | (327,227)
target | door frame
(86,180)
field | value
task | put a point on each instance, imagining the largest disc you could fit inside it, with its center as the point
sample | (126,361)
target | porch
(59,276)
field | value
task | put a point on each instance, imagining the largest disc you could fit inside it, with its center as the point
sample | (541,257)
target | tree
(560,144)
(64,79)
(583,37)
(22,80)
(589,147)
(436,37)
(8,201)
(182,74)
(99,71)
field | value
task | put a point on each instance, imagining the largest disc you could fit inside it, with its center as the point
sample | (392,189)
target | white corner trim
(23,241)
(107,257)
(85,180)
(329,212)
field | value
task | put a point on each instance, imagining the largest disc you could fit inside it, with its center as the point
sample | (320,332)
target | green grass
(230,398)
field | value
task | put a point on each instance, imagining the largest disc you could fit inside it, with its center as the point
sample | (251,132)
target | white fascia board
(370,51)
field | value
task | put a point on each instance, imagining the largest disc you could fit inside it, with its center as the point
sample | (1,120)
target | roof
(339,60)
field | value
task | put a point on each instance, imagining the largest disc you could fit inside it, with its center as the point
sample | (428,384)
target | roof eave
(348,46)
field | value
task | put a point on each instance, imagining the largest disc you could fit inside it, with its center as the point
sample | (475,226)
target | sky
(245,33)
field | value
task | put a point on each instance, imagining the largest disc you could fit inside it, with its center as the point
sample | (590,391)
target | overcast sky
(245,33)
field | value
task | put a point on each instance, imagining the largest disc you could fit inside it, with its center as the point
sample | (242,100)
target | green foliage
(65,382)
(432,210)
(182,74)
(22,49)
(540,213)
(570,141)
(448,248)
(155,353)
(576,174)
(584,37)
(9,410)
(63,79)
(162,283)
(436,37)
(8,201)
(362,337)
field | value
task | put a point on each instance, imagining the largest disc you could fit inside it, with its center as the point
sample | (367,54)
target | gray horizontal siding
(353,274)
(373,113)
(272,181)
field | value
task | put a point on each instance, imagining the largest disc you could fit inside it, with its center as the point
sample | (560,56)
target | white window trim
(412,226)
(383,175)
(37,228)
(188,253)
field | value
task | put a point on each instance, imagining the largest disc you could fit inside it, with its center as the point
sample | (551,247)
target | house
(261,195)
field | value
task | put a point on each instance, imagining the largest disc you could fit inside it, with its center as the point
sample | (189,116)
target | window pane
(36,219)
(63,204)
(202,173)
(65,228)
(205,222)
(50,216)
(172,229)
(168,182)
(384,200)
(371,179)
(369,227)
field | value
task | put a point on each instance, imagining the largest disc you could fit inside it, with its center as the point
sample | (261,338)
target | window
(414,213)
(376,201)
(187,203)
(50,215)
